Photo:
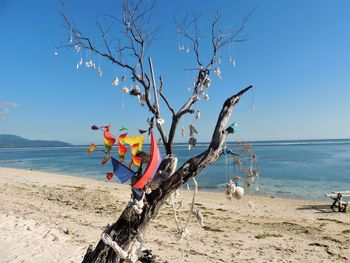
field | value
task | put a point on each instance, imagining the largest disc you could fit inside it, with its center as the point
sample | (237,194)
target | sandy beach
(46,217)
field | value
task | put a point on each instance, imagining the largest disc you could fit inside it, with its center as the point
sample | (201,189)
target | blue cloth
(121,171)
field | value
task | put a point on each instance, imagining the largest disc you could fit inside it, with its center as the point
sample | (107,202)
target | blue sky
(297,57)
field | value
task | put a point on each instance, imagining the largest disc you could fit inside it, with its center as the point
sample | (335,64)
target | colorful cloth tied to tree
(91,148)
(122,149)
(152,165)
(136,143)
(121,171)
(109,140)
(109,176)
(134,150)
(131,140)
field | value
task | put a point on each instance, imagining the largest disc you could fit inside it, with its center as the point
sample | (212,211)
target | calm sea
(294,169)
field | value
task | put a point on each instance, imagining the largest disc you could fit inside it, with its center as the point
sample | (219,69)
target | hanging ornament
(182,131)
(115,82)
(55,53)
(142,131)
(123,128)
(193,130)
(81,61)
(160,121)
(191,142)
(77,48)
(219,60)
(217,72)
(207,82)
(232,128)
(187,50)
(135,92)
(125,89)
(142,99)
(123,78)
(238,194)
(230,189)
(109,176)
(232,61)
(232,54)
(100,72)
(77,65)
(198,115)
(253,104)
(206,97)
(201,91)
(91,148)
(89,63)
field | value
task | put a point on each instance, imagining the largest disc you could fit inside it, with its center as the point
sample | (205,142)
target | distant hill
(9,140)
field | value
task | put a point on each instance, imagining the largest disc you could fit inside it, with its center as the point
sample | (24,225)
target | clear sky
(297,57)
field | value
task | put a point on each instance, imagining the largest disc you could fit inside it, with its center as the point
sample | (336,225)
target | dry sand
(47,217)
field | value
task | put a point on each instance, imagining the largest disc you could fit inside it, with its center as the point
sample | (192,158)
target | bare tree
(129,52)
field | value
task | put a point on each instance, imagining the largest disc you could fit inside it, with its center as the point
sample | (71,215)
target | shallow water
(292,169)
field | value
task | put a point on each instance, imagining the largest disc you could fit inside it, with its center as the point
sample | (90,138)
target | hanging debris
(198,214)
(230,189)
(232,128)
(115,82)
(125,89)
(207,82)
(193,130)
(77,48)
(100,72)
(123,128)
(198,115)
(160,121)
(238,194)
(217,72)
(89,63)
(183,131)
(135,91)
(192,142)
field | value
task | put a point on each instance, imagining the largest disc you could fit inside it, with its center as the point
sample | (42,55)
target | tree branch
(129,227)
(160,91)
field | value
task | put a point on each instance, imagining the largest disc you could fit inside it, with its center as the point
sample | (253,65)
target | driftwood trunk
(130,225)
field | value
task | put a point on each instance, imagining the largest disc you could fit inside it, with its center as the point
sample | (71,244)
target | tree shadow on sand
(317,208)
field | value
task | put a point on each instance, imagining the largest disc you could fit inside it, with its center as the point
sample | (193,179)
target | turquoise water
(293,169)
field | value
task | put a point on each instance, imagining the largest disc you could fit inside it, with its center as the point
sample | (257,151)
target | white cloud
(5,108)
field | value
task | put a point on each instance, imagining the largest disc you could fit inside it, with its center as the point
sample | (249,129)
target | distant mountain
(9,140)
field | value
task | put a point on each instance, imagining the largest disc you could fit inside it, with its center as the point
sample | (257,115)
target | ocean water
(304,169)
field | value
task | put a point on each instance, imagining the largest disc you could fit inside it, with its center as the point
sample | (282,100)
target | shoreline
(219,190)
(58,216)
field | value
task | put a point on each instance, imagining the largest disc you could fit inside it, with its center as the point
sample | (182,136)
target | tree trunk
(130,225)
